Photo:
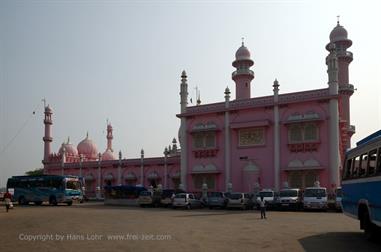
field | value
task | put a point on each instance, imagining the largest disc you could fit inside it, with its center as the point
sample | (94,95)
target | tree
(37,172)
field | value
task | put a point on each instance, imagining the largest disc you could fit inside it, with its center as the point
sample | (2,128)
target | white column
(141,167)
(63,159)
(98,189)
(120,168)
(276,137)
(183,131)
(334,138)
(228,183)
(165,168)
(80,165)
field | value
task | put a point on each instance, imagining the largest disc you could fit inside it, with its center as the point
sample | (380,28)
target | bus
(361,185)
(45,188)
(122,195)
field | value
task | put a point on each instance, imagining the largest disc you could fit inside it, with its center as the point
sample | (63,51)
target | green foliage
(36,172)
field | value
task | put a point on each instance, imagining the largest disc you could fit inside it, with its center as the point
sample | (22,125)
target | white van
(315,198)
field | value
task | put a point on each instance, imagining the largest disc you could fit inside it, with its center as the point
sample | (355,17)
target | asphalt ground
(95,227)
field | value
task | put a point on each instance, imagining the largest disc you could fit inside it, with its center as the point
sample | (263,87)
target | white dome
(108,155)
(338,33)
(242,53)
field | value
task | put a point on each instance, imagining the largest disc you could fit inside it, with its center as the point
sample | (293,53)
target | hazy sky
(122,60)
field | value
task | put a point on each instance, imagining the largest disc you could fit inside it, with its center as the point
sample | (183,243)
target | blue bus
(361,185)
(46,188)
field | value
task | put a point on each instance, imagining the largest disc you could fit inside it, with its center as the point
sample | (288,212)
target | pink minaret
(48,133)
(340,43)
(243,75)
(109,137)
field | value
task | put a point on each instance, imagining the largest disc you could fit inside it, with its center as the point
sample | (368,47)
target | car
(145,198)
(217,199)
(167,196)
(268,196)
(240,200)
(186,200)
(290,198)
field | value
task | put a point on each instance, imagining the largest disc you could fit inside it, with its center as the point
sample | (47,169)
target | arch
(311,163)
(296,163)
(251,167)
(130,176)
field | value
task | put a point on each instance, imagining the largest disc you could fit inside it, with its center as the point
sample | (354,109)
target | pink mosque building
(242,144)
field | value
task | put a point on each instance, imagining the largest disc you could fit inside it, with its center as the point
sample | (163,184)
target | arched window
(295,134)
(310,132)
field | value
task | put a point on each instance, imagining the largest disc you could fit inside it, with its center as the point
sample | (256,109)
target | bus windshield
(73,185)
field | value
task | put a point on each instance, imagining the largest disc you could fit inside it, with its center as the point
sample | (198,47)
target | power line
(20,130)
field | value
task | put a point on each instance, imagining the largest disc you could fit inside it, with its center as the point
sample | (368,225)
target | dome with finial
(108,155)
(88,148)
(338,33)
(70,150)
(242,53)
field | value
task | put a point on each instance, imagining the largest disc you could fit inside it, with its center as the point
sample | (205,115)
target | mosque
(242,144)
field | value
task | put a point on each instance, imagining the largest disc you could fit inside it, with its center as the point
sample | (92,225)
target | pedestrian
(7,199)
(262,206)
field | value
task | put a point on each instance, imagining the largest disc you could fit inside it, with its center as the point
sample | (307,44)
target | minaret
(228,180)
(333,129)
(243,75)
(183,129)
(276,136)
(109,137)
(48,133)
(339,38)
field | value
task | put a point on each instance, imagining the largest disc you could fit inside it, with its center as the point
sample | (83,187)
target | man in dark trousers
(7,199)
(262,206)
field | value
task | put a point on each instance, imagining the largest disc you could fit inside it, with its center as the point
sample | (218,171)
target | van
(290,198)
(315,198)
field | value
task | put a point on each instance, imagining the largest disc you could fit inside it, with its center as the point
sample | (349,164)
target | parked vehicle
(45,188)
(186,200)
(269,196)
(315,198)
(361,185)
(217,199)
(339,196)
(240,200)
(145,198)
(290,198)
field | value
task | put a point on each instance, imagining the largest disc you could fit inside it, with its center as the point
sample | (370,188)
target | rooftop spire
(338,19)
(243,44)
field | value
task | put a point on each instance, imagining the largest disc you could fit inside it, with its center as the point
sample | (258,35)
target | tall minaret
(109,137)
(48,133)
(243,75)
(333,129)
(339,38)
(183,129)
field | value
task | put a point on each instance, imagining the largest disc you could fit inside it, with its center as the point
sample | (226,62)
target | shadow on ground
(339,241)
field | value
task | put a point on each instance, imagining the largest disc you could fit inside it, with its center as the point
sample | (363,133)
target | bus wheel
(22,200)
(70,203)
(370,230)
(53,201)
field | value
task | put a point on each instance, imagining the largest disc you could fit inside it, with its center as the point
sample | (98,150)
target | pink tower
(243,75)
(109,137)
(339,38)
(48,133)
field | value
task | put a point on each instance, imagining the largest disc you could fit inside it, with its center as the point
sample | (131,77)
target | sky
(121,61)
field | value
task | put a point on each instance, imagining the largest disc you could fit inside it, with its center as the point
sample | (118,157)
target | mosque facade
(242,144)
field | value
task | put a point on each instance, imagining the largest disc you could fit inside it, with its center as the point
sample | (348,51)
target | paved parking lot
(95,227)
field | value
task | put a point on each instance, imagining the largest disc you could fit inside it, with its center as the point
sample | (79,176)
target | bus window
(348,167)
(379,162)
(372,162)
(356,166)
(364,164)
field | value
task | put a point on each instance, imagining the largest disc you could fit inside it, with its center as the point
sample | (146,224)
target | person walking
(262,206)
(7,199)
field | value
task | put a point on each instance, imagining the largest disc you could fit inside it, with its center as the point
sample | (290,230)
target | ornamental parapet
(346,89)
(242,72)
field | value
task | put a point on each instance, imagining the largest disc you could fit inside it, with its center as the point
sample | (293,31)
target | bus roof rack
(371,137)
